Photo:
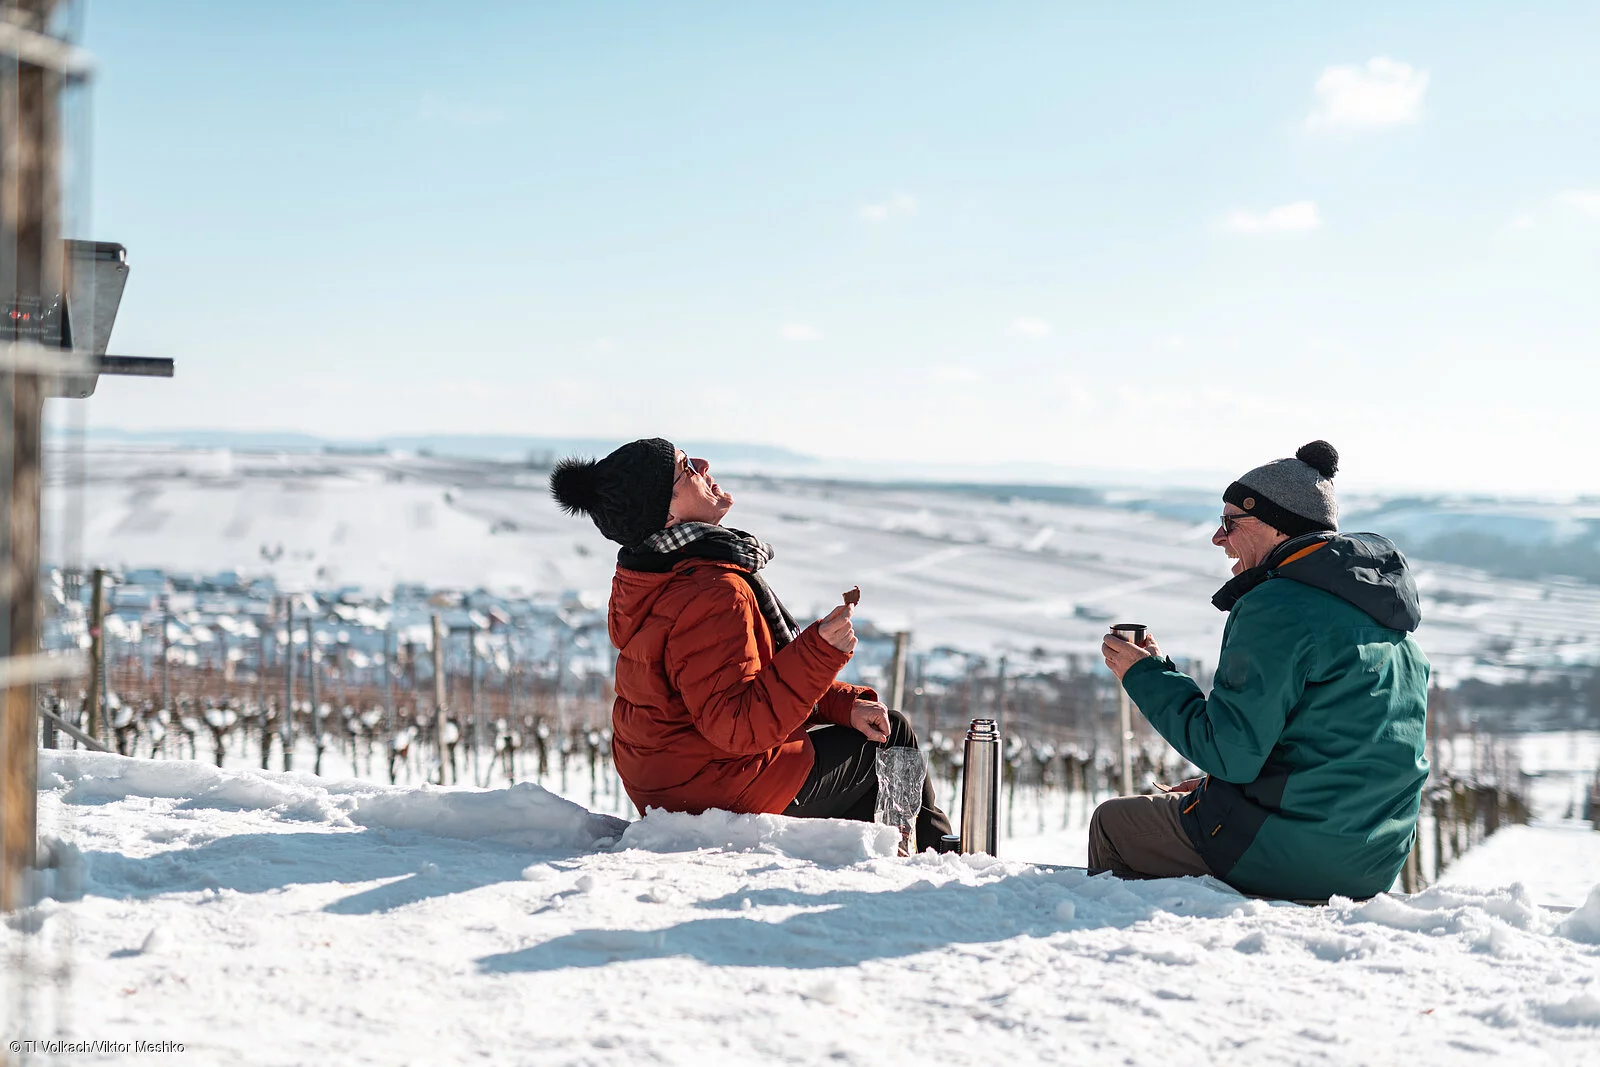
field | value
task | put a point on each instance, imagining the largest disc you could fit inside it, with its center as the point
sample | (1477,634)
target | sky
(1150,237)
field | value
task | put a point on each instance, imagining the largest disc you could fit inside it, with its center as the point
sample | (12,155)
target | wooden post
(1411,872)
(388,679)
(1000,708)
(30,274)
(286,727)
(513,709)
(311,690)
(1124,742)
(896,696)
(472,697)
(166,656)
(438,694)
(97,658)
(261,690)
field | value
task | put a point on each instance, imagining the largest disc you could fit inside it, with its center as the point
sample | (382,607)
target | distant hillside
(1511,539)
(459,446)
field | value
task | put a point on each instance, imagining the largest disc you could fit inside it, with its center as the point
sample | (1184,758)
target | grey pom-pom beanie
(1292,495)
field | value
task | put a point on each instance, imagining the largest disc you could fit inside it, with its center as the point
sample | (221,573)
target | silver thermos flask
(980,789)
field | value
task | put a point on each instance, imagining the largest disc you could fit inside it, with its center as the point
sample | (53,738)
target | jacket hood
(1363,569)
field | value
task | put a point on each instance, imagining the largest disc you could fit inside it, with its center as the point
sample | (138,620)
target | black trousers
(843,783)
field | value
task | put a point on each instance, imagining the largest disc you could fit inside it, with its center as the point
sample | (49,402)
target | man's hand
(836,629)
(1120,653)
(1188,785)
(871,719)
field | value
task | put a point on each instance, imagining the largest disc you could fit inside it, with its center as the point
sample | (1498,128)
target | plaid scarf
(703,540)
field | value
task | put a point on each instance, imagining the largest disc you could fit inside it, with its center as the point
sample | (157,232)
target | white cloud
(1585,202)
(956,375)
(1030,326)
(899,204)
(1384,92)
(1298,217)
(799,331)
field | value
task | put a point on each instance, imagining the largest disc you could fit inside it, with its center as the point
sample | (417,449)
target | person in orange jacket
(723,701)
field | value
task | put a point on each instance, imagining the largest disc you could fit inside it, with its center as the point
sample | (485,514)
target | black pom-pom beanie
(627,494)
(1292,495)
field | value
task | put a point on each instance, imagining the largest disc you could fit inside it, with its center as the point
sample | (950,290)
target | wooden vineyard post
(472,700)
(30,273)
(261,690)
(311,690)
(166,656)
(1124,743)
(896,697)
(438,694)
(286,728)
(388,679)
(96,698)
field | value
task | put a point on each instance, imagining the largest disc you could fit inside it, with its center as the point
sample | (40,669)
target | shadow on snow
(425,866)
(846,927)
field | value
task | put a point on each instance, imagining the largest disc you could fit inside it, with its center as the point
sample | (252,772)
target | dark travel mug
(1131,631)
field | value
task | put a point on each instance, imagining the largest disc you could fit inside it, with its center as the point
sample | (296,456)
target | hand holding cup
(1127,644)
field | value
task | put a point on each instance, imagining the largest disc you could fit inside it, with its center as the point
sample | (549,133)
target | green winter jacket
(1312,737)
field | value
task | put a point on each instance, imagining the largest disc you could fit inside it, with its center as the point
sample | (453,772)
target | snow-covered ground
(268,918)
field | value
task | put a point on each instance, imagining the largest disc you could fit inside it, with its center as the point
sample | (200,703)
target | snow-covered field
(974,570)
(268,918)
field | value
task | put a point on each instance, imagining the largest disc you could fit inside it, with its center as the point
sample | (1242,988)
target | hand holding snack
(835,627)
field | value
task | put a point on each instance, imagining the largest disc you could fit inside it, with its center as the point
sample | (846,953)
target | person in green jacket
(1312,735)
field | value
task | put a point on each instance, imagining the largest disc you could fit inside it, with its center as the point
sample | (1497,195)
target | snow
(279,918)
(829,842)
(1558,862)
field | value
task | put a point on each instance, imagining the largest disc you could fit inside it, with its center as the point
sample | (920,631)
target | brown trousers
(1140,837)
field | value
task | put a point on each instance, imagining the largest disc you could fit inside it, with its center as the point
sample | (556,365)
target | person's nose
(1219,537)
(701,465)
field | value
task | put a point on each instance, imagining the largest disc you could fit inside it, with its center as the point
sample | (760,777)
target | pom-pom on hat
(1293,495)
(628,493)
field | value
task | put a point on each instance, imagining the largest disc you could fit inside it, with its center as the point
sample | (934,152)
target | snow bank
(525,815)
(829,842)
(1584,922)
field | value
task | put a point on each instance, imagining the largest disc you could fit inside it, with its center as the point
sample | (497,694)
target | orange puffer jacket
(707,715)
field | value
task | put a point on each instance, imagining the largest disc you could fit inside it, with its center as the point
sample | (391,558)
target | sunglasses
(1230,521)
(686,466)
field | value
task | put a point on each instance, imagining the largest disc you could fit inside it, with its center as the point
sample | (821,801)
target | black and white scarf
(703,540)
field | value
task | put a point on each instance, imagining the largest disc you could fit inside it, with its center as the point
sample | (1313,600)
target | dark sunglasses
(687,467)
(1230,521)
